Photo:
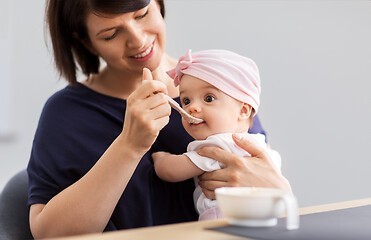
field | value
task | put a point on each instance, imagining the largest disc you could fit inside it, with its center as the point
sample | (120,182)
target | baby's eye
(209,98)
(186,101)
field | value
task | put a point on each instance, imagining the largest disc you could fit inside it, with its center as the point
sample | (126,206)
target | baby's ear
(245,111)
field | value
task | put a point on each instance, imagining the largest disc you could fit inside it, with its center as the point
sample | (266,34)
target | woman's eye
(111,37)
(186,101)
(142,16)
(209,98)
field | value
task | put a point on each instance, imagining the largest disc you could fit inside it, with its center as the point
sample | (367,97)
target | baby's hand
(159,155)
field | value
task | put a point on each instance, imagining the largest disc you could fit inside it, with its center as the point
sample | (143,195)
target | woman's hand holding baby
(255,171)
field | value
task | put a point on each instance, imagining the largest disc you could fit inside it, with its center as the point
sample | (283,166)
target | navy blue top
(76,126)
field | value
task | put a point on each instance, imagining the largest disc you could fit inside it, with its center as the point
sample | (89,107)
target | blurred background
(315,64)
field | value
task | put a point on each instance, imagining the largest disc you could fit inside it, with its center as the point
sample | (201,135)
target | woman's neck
(160,74)
(111,82)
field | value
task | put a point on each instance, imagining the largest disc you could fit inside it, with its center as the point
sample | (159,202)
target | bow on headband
(183,63)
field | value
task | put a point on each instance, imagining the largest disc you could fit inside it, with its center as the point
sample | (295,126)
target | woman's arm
(87,205)
(174,168)
(255,171)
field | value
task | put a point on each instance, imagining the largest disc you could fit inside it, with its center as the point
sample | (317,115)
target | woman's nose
(136,38)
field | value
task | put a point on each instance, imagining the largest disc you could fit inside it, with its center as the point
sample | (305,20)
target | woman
(90,168)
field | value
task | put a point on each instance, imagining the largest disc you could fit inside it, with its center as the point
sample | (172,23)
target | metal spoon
(184,114)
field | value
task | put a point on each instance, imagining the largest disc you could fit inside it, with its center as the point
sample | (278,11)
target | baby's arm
(174,168)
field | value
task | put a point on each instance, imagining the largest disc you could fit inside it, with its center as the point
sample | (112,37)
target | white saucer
(253,223)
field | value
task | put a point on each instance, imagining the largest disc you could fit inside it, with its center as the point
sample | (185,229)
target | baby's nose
(194,107)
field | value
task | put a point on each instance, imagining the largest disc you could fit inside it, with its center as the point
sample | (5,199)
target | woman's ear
(245,111)
(86,44)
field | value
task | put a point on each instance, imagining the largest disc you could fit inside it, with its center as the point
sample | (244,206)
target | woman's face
(130,41)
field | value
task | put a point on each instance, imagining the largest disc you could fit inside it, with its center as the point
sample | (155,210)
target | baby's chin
(199,136)
(204,136)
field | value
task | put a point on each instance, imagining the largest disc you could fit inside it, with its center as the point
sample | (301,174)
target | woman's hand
(146,114)
(255,171)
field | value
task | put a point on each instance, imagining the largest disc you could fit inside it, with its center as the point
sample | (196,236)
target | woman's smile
(145,55)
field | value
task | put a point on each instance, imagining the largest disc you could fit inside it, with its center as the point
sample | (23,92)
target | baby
(222,88)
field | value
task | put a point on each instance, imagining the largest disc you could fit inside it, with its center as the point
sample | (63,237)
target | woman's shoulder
(64,95)
(61,102)
(70,93)
(80,98)
(71,102)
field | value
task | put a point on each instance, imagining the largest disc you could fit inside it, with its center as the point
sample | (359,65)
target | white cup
(257,207)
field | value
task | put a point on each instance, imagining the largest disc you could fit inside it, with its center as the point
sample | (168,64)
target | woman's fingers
(249,145)
(218,154)
(162,122)
(154,107)
(150,119)
(151,86)
(213,181)
(230,159)
(155,101)
(148,89)
(147,112)
(147,75)
(209,194)
(209,186)
(212,184)
(217,175)
(161,111)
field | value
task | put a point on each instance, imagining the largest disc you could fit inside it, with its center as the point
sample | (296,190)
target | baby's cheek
(185,125)
(224,124)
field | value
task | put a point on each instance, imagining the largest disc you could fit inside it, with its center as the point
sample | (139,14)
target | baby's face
(219,111)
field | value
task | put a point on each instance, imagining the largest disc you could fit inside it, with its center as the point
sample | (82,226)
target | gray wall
(315,64)
(31,80)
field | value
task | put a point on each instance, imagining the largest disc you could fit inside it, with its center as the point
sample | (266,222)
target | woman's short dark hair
(66,20)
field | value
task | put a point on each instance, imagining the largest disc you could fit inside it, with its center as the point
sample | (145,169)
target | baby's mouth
(197,124)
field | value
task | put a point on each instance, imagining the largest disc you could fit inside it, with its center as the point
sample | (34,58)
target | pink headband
(231,73)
